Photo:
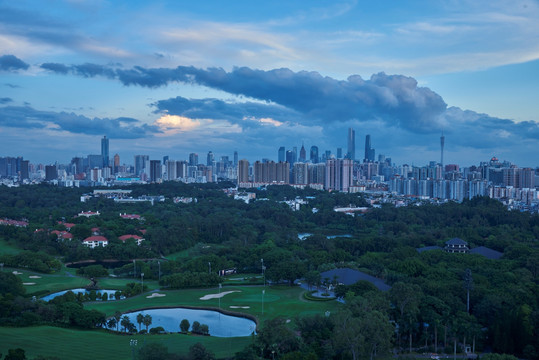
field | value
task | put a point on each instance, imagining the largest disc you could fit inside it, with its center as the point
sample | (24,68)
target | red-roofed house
(94,241)
(96,231)
(131,216)
(143,231)
(62,235)
(138,239)
(67,225)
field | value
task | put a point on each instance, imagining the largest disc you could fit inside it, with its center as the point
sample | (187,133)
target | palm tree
(125,322)
(147,321)
(112,322)
(117,316)
(140,319)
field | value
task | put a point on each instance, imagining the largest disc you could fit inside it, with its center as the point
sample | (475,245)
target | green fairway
(277,301)
(77,344)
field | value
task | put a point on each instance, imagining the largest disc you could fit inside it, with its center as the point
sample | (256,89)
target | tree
(147,321)
(126,322)
(153,351)
(196,327)
(199,352)
(140,319)
(117,316)
(112,323)
(204,329)
(15,354)
(184,326)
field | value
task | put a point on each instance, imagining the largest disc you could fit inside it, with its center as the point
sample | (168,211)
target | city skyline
(235,78)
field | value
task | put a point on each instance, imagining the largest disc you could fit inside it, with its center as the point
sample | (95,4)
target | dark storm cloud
(119,128)
(12,63)
(57,68)
(5,100)
(233,112)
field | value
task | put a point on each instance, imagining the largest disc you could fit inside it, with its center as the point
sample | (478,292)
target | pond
(110,293)
(220,325)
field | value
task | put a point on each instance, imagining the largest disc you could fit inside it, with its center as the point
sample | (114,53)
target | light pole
(142,279)
(133,344)
(263,292)
(209,267)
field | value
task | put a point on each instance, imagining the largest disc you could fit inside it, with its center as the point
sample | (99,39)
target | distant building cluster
(323,170)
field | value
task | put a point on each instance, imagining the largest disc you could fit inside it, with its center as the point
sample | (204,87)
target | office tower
(369,151)
(24,170)
(281,154)
(351,154)
(95,161)
(290,157)
(314,154)
(442,143)
(165,159)
(295,151)
(181,169)
(155,170)
(140,163)
(339,153)
(243,171)
(235,158)
(171,170)
(210,158)
(104,152)
(326,156)
(302,154)
(116,163)
(193,159)
(51,173)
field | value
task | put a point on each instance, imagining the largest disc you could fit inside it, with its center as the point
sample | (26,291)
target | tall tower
(442,143)
(243,171)
(351,153)
(302,154)
(281,154)
(105,151)
(314,154)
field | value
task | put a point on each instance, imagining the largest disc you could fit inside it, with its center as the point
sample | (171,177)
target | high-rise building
(369,151)
(155,170)
(302,154)
(181,169)
(235,158)
(51,172)
(290,157)
(141,163)
(116,163)
(351,154)
(442,143)
(301,173)
(210,158)
(339,153)
(243,171)
(193,159)
(171,170)
(105,152)
(24,174)
(339,174)
(281,154)
(295,151)
(314,155)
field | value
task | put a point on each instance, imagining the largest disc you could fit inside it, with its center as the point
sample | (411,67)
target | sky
(168,78)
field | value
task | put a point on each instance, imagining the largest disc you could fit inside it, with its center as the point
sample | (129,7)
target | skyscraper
(281,154)
(290,157)
(193,159)
(351,154)
(235,158)
(140,163)
(339,153)
(210,159)
(155,170)
(302,154)
(369,151)
(314,154)
(442,143)
(105,151)
(116,163)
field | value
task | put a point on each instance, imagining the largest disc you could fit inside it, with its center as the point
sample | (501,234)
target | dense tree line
(501,313)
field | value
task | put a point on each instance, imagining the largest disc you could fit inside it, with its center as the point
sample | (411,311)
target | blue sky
(170,78)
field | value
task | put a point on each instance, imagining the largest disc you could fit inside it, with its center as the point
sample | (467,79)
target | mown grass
(79,344)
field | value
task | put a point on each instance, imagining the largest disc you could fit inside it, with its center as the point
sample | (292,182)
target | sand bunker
(239,307)
(217,296)
(28,283)
(34,277)
(17,273)
(154,295)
